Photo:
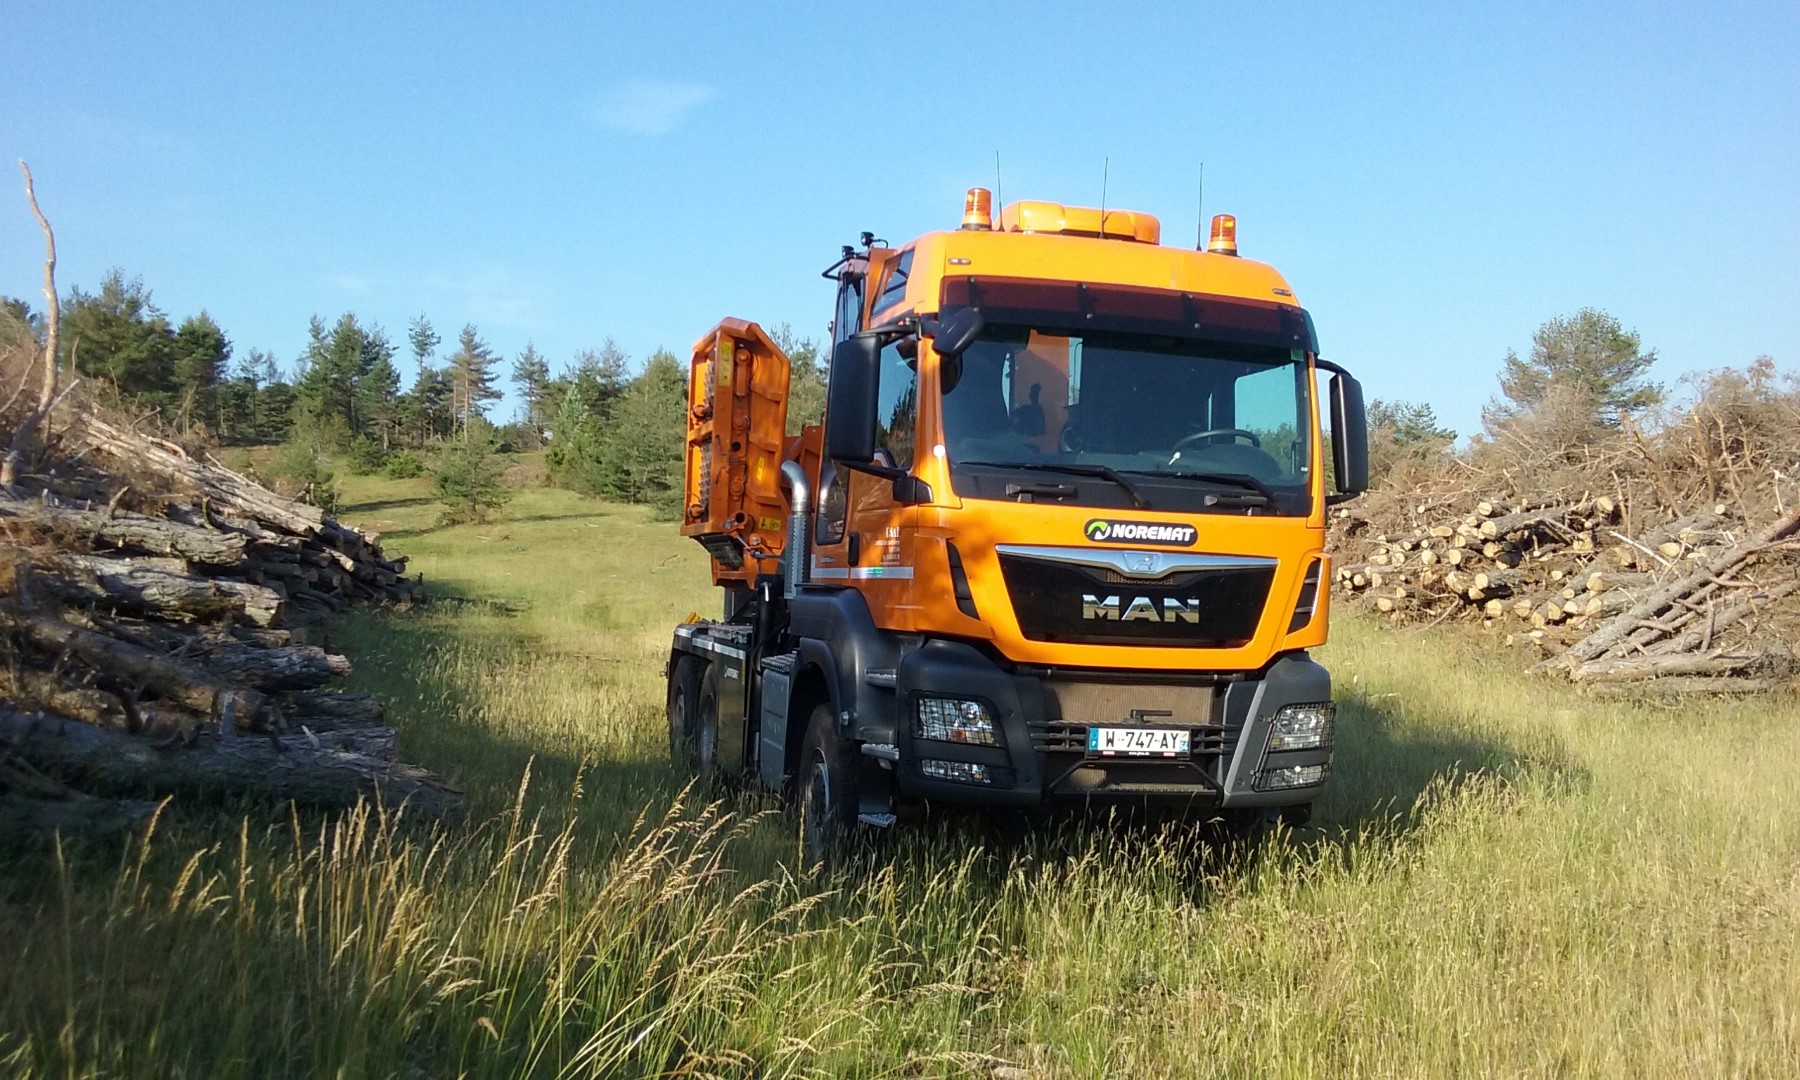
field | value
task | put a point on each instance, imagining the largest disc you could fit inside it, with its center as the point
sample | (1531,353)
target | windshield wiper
(1243,480)
(1101,471)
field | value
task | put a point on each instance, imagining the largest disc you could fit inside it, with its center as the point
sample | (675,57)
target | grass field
(1505,878)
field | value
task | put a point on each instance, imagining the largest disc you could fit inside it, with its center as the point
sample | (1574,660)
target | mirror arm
(886,472)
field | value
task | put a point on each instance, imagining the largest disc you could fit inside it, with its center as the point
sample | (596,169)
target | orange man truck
(1060,538)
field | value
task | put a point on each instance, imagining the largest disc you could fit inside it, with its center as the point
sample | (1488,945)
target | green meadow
(1505,878)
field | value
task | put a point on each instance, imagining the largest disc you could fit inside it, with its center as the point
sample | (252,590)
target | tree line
(617,432)
(611,428)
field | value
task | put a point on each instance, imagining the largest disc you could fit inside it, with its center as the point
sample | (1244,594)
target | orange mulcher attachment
(736,430)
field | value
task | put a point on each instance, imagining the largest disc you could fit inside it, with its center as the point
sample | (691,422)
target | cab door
(863,537)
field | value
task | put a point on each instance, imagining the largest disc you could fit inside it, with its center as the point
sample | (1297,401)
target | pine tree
(467,480)
(120,337)
(471,377)
(334,363)
(201,352)
(642,446)
(806,378)
(1402,431)
(531,372)
(424,341)
(585,401)
(378,392)
(1586,367)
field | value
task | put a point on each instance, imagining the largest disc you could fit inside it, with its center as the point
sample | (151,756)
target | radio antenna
(1105,168)
(1200,210)
(999,199)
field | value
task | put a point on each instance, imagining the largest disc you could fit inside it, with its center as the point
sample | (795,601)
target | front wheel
(826,793)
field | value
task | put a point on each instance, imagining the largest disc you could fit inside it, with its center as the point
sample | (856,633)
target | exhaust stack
(797,555)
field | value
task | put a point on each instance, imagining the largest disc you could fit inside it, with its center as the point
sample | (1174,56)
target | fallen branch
(1615,632)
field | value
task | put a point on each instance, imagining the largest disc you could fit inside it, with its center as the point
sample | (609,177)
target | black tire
(825,793)
(684,706)
(706,727)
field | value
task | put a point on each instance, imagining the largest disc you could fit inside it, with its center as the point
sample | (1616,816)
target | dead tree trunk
(315,770)
(46,400)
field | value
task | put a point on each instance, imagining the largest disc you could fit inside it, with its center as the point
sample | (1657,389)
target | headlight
(1302,727)
(953,720)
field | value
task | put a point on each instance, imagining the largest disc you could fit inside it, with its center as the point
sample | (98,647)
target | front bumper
(1041,727)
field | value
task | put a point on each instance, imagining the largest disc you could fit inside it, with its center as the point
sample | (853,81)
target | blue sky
(1435,181)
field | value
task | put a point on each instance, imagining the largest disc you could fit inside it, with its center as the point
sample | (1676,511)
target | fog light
(967,772)
(953,720)
(1302,727)
(1291,776)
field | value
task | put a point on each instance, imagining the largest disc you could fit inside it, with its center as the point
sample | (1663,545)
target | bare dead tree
(46,399)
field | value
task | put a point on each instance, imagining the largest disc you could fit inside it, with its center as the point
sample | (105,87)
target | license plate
(1137,742)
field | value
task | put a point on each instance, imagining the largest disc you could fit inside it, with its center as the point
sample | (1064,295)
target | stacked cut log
(1697,602)
(156,639)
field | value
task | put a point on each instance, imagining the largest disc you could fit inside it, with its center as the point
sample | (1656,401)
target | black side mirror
(850,400)
(1349,435)
(954,335)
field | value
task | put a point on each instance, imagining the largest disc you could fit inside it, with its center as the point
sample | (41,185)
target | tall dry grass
(1505,878)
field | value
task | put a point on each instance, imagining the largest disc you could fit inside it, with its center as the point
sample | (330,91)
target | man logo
(1141,608)
(1142,562)
(1099,530)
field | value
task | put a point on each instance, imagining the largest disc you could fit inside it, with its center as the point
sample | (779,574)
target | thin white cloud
(650,106)
(492,296)
(350,283)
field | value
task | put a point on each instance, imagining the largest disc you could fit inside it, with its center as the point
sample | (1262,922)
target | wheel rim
(815,823)
(679,744)
(706,737)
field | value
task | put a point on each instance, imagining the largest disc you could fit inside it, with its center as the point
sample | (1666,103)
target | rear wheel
(826,793)
(684,707)
(706,726)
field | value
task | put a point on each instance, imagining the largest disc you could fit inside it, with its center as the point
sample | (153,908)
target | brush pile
(155,615)
(1663,556)
(1704,601)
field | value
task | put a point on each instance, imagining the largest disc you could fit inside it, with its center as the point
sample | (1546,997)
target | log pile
(156,638)
(1702,601)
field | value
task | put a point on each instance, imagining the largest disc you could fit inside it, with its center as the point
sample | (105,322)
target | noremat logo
(1141,532)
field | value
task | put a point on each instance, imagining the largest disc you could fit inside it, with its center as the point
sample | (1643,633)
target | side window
(893,287)
(1271,401)
(898,406)
(834,504)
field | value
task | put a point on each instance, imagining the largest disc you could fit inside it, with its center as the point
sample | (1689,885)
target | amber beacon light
(978,209)
(1224,235)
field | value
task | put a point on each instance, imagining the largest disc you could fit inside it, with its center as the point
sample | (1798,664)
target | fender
(838,635)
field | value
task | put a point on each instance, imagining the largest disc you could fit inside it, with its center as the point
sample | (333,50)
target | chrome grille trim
(1126,562)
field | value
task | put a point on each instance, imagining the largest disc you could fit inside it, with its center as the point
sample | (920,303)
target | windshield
(1179,418)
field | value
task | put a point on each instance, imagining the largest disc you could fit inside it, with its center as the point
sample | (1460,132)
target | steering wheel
(1215,433)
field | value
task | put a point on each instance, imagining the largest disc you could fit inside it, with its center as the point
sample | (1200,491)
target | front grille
(1069,771)
(1053,737)
(1059,601)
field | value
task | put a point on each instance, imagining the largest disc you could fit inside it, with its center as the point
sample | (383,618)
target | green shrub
(467,481)
(403,465)
(304,470)
(366,456)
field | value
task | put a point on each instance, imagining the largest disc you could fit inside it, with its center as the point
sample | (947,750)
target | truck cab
(1060,539)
